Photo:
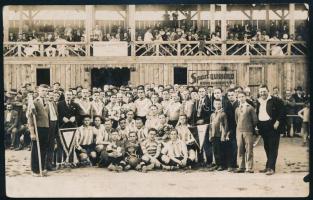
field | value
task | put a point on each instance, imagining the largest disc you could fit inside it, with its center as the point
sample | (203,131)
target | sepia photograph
(156,100)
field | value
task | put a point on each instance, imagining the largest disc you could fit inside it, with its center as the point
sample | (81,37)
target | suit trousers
(245,149)
(216,145)
(229,153)
(43,143)
(271,142)
(51,142)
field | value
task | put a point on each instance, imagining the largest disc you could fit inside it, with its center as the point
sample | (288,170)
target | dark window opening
(110,76)
(180,75)
(43,76)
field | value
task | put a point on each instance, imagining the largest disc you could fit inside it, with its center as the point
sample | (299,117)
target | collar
(268,98)
(218,111)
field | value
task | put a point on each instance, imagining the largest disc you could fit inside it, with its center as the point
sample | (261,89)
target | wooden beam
(223,22)
(6,24)
(267,18)
(275,11)
(89,24)
(119,12)
(128,61)
(194,15)
(292,19)
(35,13)
(131,21)
(212,20)
(247,15)
(198,17)
(20,22)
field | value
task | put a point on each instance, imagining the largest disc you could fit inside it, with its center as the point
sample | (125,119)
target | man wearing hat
(40,109)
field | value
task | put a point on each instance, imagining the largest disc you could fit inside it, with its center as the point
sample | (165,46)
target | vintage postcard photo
(160,100)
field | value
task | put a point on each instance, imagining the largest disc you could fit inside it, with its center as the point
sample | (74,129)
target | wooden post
(89,25)
(291,19)
(131,10)
(223,28)
(20,22)
(212,20)
(267,18)
(198,17)
(6,23)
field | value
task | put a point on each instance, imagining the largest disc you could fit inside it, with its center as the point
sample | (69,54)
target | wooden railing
(156,48)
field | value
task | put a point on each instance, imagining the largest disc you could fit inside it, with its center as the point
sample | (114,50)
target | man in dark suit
(299,101)
(201,113)
(68,111)
(226,161)
(10,126)
(40,109)
(231,141)
(270,123)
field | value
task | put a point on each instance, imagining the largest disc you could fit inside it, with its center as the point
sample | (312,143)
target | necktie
(199,107)
(44,103)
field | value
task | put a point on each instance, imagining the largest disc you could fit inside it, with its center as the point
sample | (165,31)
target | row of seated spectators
(157,33)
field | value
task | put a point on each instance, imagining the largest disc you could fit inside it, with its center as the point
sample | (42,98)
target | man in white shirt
(175,152)
(85,144)
(53,121)
(270,112)
(142,105)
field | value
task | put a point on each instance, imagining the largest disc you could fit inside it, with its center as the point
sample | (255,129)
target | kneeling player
(133,153)
(85,146)
(151,151)
(175,154)
(116,152)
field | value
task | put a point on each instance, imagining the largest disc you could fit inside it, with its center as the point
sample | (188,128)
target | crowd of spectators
(167,30)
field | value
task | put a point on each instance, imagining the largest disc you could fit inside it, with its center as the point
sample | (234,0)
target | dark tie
(44,103)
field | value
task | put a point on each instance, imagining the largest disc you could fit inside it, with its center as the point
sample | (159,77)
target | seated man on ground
(174,153)
(85,146)
(116,151)
(151,150)
(133,153)
(102,140)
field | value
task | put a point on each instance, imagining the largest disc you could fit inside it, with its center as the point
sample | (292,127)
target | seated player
(151,150)
(185,135)
(116,151)
(101,136)
(141,130)
(133,153)
(85,146)
(174,153)
(122,129)
(163,129)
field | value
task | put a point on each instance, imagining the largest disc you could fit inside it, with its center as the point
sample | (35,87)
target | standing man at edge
(270,120)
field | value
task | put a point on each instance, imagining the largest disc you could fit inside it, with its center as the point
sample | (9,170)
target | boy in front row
(218,133)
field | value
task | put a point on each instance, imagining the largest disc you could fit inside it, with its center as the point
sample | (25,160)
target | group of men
(149,127)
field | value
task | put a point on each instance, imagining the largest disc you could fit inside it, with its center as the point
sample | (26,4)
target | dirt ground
(292,166)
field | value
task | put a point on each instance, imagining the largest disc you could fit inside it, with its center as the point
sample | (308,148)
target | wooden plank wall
(283,75)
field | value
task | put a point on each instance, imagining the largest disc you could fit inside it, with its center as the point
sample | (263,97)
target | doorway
(110,76)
